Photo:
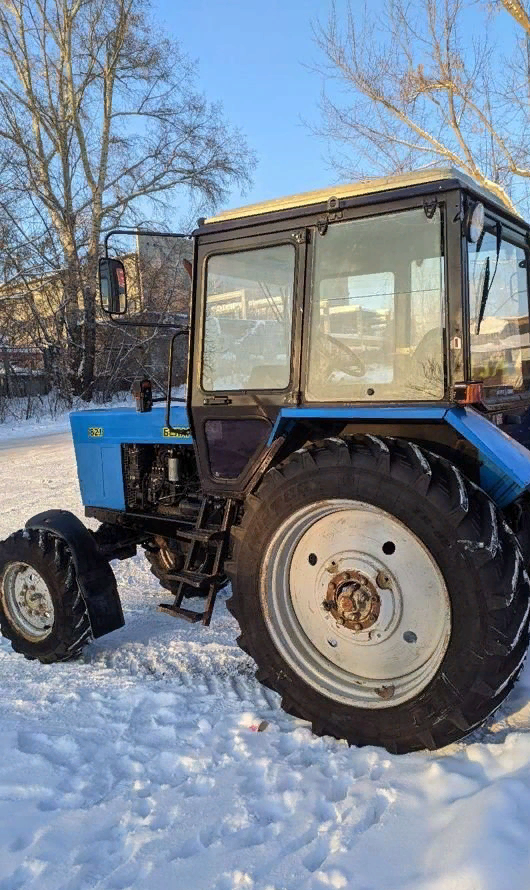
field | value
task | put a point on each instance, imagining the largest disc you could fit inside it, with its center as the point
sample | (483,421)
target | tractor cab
(355,358)
(402,291)
(404,288)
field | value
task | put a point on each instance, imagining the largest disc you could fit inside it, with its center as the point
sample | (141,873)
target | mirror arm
(113,319)
(133,231)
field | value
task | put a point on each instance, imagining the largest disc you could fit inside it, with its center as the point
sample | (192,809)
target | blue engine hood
(98,436)
(113,426)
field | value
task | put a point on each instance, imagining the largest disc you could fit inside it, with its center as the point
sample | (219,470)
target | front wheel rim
(27,601)
(355,603)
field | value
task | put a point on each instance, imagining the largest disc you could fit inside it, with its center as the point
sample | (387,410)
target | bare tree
(519,13)
(413,84)
(103,125)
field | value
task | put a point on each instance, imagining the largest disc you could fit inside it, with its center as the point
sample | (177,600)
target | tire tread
(73,632)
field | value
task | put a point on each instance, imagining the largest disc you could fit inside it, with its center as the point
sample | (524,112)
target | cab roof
(357,189)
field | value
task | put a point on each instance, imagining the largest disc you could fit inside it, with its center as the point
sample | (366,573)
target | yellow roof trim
(354,189)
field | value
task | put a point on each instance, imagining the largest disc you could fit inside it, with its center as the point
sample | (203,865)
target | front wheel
(380,593)
(42,611)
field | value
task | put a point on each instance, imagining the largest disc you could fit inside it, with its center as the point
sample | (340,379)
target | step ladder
(207,575)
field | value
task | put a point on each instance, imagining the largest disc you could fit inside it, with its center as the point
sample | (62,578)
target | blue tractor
(358,361)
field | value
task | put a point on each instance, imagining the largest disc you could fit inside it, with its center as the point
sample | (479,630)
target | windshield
(500,351)
(377,311)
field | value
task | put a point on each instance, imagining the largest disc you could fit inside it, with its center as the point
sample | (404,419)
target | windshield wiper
(484,297)
(487,284)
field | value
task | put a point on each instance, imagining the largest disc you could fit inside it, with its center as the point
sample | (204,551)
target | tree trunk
(89,341)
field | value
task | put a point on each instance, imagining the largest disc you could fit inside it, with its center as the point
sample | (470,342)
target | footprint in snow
(201,786)
(317,855)
(190,847)
(338,790)
(332,878)
(22,842)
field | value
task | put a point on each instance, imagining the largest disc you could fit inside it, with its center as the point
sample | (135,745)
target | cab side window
(500,333)
(248,321)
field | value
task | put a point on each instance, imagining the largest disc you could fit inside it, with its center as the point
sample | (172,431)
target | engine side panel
(98,437)
(99,471)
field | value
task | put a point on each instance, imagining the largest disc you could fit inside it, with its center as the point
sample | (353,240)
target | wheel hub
(355,603)
(353,600)
(27,601)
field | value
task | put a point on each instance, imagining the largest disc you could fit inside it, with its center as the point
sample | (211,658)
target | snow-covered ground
(139,766)
(46,415)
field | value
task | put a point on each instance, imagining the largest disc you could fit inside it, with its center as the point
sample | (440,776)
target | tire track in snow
(231,678)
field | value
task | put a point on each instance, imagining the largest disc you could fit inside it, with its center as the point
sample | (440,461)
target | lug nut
(383,581)
(357,625)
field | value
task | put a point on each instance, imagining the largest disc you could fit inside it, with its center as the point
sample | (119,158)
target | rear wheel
(162,559)
(42,611)
(380,593)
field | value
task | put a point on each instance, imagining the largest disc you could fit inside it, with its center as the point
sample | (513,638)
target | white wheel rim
(387,651)
(27,601)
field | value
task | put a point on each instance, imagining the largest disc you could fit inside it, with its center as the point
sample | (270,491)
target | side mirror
(112,286)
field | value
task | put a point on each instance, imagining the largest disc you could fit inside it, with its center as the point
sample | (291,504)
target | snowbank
(46,419)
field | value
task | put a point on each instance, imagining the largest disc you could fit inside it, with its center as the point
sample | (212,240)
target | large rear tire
(380,593)
(42,611)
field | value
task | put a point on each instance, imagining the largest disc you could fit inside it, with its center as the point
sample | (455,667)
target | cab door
(246,351)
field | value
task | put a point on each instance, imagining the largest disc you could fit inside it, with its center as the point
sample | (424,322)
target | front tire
(42,611)
(380,593)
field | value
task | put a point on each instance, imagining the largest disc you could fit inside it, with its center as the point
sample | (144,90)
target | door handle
(217,400)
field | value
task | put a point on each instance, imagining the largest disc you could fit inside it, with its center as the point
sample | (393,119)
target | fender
(94,575)
(504,462)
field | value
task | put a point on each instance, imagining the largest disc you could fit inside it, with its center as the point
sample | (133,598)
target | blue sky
(255,57)
(251,56)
